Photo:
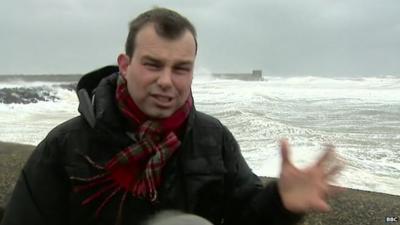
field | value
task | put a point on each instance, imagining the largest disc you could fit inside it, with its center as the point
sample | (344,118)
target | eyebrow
(180,62)
(149,58)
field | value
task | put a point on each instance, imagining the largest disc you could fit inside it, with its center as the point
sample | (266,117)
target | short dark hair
(167,23)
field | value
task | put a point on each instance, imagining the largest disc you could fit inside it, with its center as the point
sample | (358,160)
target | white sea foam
(361,116)
(30,123)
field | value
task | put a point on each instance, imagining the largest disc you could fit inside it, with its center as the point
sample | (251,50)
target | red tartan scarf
(136,169)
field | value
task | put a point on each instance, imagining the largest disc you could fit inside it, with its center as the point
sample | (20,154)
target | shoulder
(208,129)
(58,142)
(204,120)
(76,125)
(212,125)
(208,126)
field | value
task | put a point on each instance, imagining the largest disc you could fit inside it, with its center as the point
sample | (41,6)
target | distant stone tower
(257,74)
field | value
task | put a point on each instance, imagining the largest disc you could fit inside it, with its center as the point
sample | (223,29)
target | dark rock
(26,95)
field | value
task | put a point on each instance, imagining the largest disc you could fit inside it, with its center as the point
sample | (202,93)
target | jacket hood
(91,80)
(99,83)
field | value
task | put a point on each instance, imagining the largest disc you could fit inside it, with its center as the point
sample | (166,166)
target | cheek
(135,87)
(183,85)
(139,80)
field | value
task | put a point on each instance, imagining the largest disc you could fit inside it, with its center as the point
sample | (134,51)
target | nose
(165,79)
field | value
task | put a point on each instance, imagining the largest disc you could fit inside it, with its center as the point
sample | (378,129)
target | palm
(307,189)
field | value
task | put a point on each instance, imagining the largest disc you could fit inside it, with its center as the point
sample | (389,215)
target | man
(139,147)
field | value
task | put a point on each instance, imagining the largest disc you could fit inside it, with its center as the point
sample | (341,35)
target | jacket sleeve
(248,201)
(40,195)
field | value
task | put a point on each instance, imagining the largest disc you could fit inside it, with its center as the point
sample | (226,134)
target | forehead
(149,43)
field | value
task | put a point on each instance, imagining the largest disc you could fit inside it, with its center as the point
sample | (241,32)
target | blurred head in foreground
(177,218)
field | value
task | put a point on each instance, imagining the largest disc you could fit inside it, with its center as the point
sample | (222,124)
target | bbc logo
(391,219)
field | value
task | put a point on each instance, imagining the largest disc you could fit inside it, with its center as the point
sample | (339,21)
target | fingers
(327,156)
(285,151)
(334,171)
(330,163)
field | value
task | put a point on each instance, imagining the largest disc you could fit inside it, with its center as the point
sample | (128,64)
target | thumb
(285,151)
(321,206)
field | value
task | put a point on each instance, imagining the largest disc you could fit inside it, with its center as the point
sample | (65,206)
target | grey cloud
(282,37)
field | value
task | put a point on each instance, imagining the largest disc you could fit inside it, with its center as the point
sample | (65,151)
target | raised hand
(306,190)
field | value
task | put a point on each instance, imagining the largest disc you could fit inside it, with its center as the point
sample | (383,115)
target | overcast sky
(281,37)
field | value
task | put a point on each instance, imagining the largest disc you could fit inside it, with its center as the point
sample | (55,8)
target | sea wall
(256,75)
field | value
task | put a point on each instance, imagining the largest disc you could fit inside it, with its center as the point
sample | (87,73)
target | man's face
(160,72)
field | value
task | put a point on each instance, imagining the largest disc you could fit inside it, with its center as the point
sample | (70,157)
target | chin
(159,114)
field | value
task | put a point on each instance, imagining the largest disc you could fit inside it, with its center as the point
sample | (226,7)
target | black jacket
(207,176)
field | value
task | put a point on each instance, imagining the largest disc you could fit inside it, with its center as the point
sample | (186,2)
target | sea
(360,116)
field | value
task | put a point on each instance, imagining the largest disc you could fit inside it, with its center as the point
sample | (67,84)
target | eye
(181,69)
(152,66)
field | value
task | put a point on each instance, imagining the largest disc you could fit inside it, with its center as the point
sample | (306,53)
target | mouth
(163,101)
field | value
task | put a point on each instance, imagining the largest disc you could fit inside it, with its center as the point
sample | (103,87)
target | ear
(123,63)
